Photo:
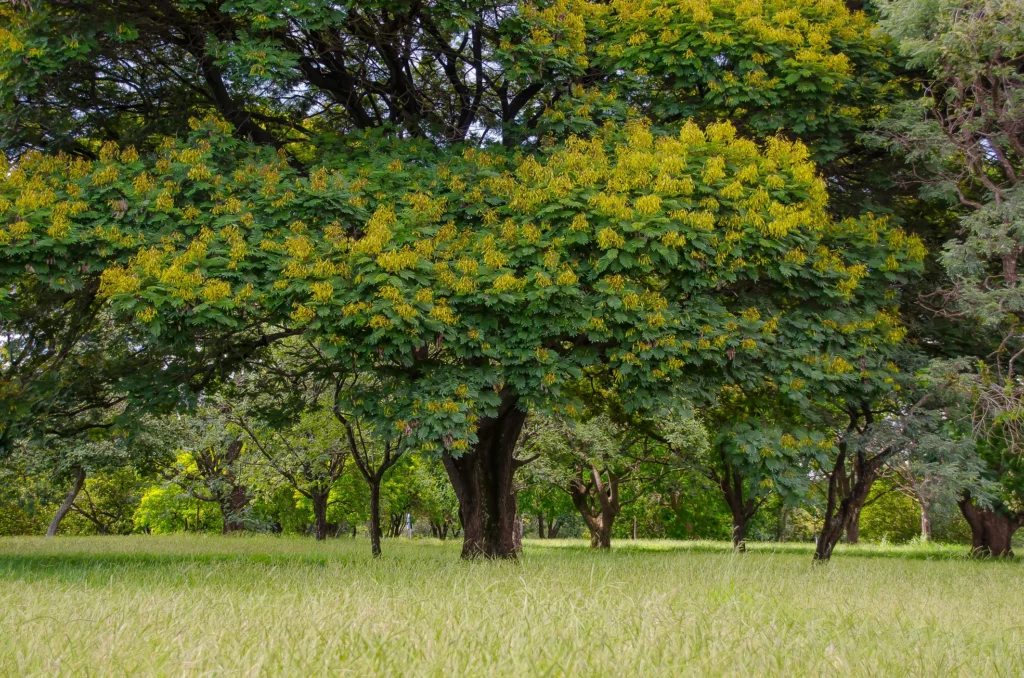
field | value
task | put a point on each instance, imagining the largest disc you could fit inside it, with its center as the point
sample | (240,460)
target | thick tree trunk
(232,507)
(375,518)
(598,522)
(553,527)
(853,527)
(482,480)
(320,525)
(78,475)
(604,536)
(540,525)
(991,529)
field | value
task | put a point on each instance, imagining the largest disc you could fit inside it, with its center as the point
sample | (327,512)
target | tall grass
(263,605)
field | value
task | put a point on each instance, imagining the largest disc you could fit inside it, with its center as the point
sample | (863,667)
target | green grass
(188,605)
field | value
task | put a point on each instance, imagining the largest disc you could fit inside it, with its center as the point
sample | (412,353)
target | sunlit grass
(264,605)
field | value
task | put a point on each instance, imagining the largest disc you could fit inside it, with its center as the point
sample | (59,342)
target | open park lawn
(212,606)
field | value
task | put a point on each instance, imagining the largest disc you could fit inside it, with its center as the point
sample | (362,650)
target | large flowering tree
(476,229)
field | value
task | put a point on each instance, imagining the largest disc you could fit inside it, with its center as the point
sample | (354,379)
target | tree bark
(739,531)
(553,527)
(600,515)
(853,527)
(540,525)
(482,480)
(841,506)
(926,521)
(232,506)
(78,473)
(730,481)
(991,529)
(375,517)
(320,525)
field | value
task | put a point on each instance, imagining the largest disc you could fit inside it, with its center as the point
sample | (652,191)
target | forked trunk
(78,475)
(553,527)
(600,515)
(991,529)
(375,517)
(482,480)
(845,501)
(600,534)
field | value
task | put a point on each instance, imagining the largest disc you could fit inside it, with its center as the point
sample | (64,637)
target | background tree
(209,462)
(965,135)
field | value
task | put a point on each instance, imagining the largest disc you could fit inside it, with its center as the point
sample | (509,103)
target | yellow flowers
(392,261)
(442,312)
(215,290)
(648,204)
(608,239)
(164,201)
(567,278)
(354,308)
(837,365)
(508,283)
(714,169)
(378,231)
(322,291)
(117,280)
(199,172)
(318,180)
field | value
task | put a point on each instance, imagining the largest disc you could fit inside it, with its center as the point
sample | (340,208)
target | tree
(540,483)
(208,466)
(941,468)
(470,280)
(758,446)
(594,461)
(965,135)
(310,456)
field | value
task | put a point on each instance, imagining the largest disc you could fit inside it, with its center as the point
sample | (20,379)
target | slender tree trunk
(482,480)
(78,475)
(991,529)
(320,527)
(739,531)
(540,525)
(634,528)
(780,530)
(375,517)
(926,521)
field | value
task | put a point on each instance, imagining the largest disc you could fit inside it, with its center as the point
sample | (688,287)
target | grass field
(217,606)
